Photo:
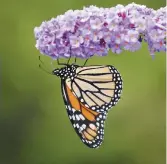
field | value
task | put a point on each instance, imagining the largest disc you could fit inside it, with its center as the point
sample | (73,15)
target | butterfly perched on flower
(89,92)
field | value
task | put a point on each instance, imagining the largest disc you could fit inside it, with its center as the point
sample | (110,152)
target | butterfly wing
(97,87)
(88,97)
(88,124)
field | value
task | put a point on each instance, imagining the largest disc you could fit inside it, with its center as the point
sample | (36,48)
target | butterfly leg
(85,62)
(68,60)
(75,60)
(60,63)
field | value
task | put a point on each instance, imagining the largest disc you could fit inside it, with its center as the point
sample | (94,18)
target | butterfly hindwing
(88,124)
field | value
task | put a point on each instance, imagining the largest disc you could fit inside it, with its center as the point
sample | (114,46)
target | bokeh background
(34,127)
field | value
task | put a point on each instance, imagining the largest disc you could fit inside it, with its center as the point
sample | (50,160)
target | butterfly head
(69,71)
(56,72)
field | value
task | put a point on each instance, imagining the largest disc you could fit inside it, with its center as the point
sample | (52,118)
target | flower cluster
(93,30)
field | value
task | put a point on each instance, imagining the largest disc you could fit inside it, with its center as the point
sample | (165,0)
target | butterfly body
(89,92)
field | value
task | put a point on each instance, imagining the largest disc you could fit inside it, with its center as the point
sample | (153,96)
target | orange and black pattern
(89,92)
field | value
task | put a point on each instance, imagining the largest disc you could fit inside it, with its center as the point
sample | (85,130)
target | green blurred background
(34,127)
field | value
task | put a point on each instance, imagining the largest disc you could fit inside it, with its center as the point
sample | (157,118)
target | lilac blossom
(95,31)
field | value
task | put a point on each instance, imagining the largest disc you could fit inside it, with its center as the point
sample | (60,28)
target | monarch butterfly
(89,92)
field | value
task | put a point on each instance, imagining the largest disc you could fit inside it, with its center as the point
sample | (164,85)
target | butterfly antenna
(41,67)
(39,57)
(85,62)
(44,69)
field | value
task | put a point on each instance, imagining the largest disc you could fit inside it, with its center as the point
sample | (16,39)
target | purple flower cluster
(95,31)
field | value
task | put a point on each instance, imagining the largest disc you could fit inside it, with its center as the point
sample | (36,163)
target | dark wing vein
(91,93)
(95,74)
(89,82)
(91,98)
(76,94)
(102,81)
(90,69)
(96,96)
(102,94)
(99,89)
(83,92)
